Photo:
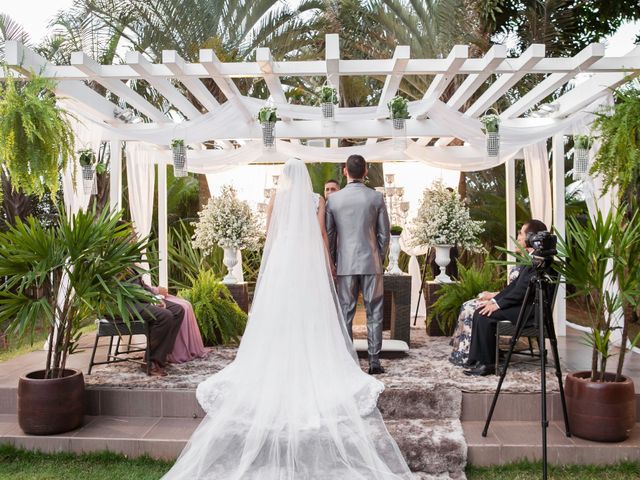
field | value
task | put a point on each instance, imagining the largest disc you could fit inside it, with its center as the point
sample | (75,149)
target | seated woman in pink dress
(189,341)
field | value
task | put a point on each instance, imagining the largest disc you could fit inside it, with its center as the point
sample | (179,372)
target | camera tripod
(543,320)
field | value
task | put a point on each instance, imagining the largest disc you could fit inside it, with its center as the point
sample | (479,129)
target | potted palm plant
(267,117)
(179,153)
(87,160)
(594,257)
(59,278)
(491,128)
(36,138)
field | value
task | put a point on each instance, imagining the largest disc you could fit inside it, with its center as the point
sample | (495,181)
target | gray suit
(358,229)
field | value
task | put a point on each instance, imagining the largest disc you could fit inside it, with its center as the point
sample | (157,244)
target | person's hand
(486,296)
(163,290)
(488,308)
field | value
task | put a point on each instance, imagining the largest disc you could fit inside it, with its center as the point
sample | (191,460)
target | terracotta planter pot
(50,406)
(602,412)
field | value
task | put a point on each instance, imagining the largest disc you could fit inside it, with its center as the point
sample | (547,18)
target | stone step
(433,447)
(394,403)
(511,441)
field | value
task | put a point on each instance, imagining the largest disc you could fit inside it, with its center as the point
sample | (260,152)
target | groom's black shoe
(376,370)
(481,370)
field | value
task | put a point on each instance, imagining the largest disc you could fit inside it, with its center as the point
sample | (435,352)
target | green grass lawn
(533,471)
(21,465)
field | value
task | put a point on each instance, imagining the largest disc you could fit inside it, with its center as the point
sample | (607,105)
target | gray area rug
(425,367)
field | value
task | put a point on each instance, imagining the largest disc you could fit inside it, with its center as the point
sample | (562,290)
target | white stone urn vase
(394,254)
(443,258)
(230,260)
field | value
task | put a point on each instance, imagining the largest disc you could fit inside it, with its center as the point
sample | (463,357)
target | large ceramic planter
(50,406)
(600,411)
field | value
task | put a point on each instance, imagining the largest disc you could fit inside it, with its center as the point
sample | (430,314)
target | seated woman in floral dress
(461,340)
(189,343)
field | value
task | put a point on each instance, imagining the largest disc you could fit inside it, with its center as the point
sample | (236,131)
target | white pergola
(433,126)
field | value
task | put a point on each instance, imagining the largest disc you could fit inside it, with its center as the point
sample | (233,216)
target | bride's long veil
(293,404)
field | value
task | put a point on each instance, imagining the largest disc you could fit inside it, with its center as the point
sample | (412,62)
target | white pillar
(510,193)
(115,176)
(163,247)
(557,155)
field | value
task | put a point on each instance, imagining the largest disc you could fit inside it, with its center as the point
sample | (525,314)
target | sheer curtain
(536,164)
(141,185)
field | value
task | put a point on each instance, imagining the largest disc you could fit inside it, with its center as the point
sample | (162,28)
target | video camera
(543,244)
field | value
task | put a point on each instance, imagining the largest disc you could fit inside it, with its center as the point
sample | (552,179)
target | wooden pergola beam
(581,61)
(162,85)
(265,61)
(90,102)
(214,68)
(91,68)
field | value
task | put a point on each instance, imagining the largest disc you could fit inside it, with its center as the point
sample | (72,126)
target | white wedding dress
(294,404)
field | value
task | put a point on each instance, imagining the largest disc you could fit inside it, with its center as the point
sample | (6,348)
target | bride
(294,404)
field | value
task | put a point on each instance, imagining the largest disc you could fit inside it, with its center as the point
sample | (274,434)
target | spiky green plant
(451,296)
(220,319)
(593,256)
(97,256)
(36,138)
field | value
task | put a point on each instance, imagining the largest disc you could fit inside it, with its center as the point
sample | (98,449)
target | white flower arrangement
(226,221)
(443,219)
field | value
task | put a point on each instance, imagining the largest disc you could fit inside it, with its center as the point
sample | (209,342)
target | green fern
(452,295)
(36,138)
(618,160)
(220,319)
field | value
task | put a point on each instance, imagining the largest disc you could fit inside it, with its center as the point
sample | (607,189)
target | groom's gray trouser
(373,295)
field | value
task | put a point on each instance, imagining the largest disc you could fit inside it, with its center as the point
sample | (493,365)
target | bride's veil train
(294,404)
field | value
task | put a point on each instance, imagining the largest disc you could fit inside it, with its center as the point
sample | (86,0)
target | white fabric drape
(141,185)
(514,135)
(536,164)
(87,135)
(598,201)
(414,270)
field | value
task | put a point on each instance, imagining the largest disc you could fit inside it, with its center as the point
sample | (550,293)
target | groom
(358,229)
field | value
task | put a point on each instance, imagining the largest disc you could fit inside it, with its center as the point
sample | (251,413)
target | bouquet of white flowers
(443,219)
(226,221)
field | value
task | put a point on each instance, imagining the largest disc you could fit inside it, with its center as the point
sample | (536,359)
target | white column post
(163,247)
(510,192)
(115,176)
(557,155)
